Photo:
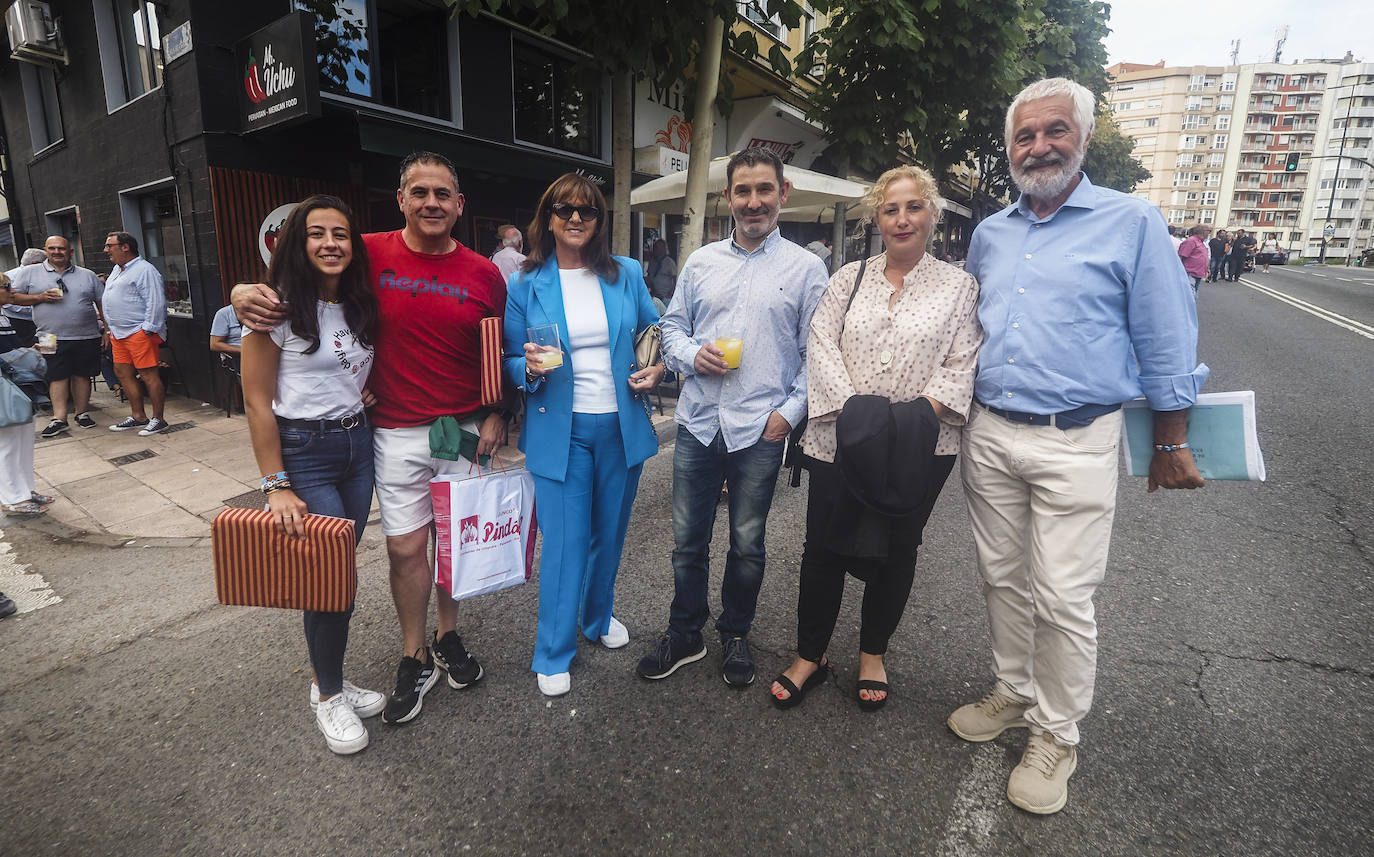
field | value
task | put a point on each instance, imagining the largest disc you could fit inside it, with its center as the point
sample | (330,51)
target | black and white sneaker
(127,424)
(7,606)
(668,655)
(85,421)
(155,426)
(413,681)
(54,428)
(737,664)
(458,662)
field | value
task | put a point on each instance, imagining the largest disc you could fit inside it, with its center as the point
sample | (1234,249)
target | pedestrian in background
(1193,253)
(909,331)
(17,497)
(755,292)
(587,428)
(1039,461)
(1269,251)
(21,317)
(135,305)
(662,272)
(304,391)
(509,257)
(1241,245)
(1219,247)
(66,309)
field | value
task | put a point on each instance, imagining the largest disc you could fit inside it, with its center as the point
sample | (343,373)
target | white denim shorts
(404,468)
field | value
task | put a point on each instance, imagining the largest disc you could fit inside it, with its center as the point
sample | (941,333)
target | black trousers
(887,581)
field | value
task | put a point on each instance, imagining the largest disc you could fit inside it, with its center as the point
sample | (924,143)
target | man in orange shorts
(136,311)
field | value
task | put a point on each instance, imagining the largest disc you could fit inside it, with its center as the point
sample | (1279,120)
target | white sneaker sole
(554,685)
(682,662)
(364,711)
(344,748)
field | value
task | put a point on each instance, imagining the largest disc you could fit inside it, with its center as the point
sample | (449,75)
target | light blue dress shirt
(135,300)
(1088,306)
(766,296)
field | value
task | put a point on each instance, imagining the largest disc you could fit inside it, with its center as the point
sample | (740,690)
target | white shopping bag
(484,531)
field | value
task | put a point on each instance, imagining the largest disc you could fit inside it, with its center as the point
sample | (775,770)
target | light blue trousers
(583,520)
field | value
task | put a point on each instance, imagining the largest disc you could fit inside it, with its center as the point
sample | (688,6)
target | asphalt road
(1232,717)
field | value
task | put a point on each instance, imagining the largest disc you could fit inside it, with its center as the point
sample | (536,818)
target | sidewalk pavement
(114,487)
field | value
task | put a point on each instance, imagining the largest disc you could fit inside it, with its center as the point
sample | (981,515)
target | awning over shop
(774,124)
(665,195)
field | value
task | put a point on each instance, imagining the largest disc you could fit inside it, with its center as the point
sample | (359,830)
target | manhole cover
(180,426)
(132,457)
(247,500)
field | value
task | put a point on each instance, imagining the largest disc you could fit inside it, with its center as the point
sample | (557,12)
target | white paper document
(1221,435)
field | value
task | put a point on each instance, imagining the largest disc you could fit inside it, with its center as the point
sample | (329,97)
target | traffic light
(1291,165)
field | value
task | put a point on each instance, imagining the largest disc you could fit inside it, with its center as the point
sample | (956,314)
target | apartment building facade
(1243,146)
(1344,200)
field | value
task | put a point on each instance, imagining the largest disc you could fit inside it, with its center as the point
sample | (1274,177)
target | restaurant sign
(280,80)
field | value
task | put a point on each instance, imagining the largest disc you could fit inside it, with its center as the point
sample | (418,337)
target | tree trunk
(699,164)
(837,255)
(622,157)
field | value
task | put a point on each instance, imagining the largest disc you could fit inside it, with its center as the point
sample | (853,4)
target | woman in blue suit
(587,428)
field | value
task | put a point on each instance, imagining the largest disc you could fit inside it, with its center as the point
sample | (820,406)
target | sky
(1199,32)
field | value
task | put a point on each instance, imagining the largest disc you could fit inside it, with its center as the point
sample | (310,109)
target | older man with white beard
(1084,306)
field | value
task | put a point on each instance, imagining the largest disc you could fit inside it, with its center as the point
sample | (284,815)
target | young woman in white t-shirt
(304,390)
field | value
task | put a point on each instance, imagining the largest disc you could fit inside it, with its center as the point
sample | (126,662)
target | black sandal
(871,685)
(796,694)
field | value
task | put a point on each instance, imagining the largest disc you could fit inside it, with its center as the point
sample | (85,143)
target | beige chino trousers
(1041,500)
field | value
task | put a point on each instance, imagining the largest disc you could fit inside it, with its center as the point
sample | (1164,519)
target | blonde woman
(910,333)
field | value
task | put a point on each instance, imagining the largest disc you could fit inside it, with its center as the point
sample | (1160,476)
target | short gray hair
(32,256)
(1050,87)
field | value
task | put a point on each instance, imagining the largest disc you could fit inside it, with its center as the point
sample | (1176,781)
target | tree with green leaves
(632,40)
(897,66)
(1109,162)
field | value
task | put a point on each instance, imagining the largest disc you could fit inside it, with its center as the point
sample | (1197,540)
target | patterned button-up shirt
(766,296)
(926,344)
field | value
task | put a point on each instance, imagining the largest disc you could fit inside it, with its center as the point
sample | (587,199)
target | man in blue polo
(758,287)
(1084,306)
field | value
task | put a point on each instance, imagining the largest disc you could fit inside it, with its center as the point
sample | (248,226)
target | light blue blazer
(536,298)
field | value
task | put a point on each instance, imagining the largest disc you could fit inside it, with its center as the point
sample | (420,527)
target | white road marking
(1312,309)
(1315,274)
(968,832)
(29,590)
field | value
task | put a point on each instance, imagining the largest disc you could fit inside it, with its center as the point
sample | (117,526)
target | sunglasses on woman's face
(564,211)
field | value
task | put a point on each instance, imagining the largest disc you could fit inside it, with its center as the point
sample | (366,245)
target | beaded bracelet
(275,480)
(1170,447)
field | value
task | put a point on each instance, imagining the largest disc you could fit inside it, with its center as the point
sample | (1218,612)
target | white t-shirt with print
(328,384)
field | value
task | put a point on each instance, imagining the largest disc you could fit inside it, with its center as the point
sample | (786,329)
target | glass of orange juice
(545,338)
(730,344)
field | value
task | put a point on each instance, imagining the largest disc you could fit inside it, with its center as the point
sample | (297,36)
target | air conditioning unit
(34,35)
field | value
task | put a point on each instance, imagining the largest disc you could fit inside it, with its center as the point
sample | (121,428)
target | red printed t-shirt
(427,362)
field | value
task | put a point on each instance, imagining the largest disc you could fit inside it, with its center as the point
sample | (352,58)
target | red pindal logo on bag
(467,531)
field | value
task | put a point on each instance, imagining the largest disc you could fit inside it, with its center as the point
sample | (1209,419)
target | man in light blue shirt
(1084,306)
(136,311)
(760,288)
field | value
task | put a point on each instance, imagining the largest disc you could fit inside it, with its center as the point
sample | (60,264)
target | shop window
(130,41)
(395,54)
(556,105)
(154,218)
(40,103)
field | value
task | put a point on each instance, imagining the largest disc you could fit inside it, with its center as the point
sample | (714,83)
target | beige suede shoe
(1040,784)
(988,717)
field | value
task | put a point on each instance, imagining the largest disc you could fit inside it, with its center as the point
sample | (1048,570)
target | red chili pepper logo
(255,91)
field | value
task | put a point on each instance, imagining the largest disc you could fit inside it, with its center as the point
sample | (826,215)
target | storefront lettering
(278,77)
(592,177)
(669,97)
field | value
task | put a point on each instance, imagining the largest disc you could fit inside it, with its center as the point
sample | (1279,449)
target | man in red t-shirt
(433,292)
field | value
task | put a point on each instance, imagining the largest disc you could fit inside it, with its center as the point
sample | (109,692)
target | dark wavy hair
(578,190)
(297,280)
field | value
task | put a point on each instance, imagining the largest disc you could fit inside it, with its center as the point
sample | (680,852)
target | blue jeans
(331,471)
(698,473)
(1217,268)
(583,519)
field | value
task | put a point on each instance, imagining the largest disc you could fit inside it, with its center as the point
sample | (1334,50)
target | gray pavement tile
(96,487)
(140,500)
(172,523)
(205,494)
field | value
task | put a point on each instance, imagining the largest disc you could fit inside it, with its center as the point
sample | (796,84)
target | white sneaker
(555,685)
(616,636)
(365,703)
(343,731)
